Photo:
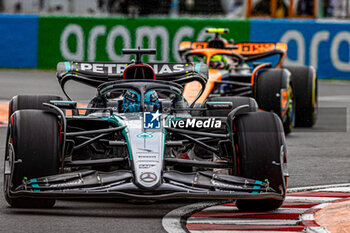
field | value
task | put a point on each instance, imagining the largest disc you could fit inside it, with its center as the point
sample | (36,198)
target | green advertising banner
(102,39)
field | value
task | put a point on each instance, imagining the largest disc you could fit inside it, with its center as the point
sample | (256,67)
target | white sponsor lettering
(299,39)
(118,31)
(77,31)
(315,42)
(119,68)
(155,68)
(110,68)
(98,68)
(165,69)
(144,34)
(178,68)
(172,124)
(343,36)
(193,122)
(179,36)
(150,37)
(85,66)
(93,34)
(206,124)
(181,124)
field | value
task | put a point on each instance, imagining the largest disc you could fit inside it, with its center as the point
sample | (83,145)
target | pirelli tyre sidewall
(32,151)
(305,85)
(260,152)
(274,92)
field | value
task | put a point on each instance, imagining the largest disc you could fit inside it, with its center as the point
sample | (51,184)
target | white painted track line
(245,231)
(235,209)
(310,199)
(241,221)
(340,189)
(309,188)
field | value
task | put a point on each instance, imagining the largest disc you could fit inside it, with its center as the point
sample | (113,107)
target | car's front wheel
(32,151)
(260,149)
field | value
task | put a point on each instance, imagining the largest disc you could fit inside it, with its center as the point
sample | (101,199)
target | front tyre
(32,151)
(261,155)
(21,102)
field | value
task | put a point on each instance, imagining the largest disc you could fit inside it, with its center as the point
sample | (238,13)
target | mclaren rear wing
(245,48)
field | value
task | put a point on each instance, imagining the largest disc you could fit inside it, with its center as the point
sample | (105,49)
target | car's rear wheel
(261,155)
(32,151)
(273,91)
(21,102)
(304,81)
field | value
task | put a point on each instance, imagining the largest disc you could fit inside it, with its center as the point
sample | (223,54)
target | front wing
(119,184)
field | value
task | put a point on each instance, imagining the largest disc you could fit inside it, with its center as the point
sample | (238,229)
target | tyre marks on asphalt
(296,215)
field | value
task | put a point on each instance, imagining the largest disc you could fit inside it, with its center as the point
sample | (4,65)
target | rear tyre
(274,93)
(261,155)
(33,142)
(21,102)
(304,81)
(236,102)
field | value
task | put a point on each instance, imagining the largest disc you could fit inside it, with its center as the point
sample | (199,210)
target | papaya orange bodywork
(192,89)
(245,48)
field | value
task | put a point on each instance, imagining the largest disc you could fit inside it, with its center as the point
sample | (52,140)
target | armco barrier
(18,41)
(102,39)
(322,44)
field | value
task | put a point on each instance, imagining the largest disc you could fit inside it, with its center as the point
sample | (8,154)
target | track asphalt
(320,156)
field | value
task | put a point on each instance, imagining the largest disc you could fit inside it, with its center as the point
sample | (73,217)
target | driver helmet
(218,62)
(132,101)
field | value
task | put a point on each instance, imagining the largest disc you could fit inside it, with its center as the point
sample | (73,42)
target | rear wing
(252,51)
(97,73)
(252,48)
(246,48)
(106,71)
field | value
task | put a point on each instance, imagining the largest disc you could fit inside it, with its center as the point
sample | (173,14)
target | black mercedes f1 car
(140,139)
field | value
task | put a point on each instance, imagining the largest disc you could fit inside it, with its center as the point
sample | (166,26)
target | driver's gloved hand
(133,108)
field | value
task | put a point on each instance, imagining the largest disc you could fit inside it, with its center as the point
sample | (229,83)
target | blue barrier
(323,44)
(18,41)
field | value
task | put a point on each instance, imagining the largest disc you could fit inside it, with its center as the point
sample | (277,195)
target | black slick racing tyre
(21,102)
(32,151)
(304,81)
(274,93)
(236,101)
(261,155)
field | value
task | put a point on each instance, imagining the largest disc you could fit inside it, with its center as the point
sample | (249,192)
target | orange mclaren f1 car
(255,70)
